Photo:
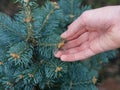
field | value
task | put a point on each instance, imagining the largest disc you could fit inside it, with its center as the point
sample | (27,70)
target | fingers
(77,42)
(84,51)
(72,50)
(84,54)
(72,45)
(76,35)
(69,51)
(73,28)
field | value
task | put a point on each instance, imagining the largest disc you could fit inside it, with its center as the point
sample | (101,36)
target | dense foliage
(28,42)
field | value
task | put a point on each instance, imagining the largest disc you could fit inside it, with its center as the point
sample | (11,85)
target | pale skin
(95,31)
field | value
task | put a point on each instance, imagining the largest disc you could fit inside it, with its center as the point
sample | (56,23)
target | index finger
(74,28)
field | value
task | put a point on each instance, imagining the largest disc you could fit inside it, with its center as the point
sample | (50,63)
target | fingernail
(63,35)
(63,58)
(58,54)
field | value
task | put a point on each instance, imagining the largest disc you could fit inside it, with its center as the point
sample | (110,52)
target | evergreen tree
(28,42)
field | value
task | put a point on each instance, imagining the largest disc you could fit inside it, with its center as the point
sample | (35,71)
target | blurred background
(109,77)
(100,3)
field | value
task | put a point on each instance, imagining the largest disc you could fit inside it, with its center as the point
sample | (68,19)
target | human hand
(95,31)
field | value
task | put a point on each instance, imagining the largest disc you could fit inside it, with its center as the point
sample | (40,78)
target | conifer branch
(28,19)
(5,27)
(47,18)
(71,2)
